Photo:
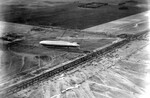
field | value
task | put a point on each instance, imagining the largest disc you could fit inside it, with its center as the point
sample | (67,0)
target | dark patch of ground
(67,15)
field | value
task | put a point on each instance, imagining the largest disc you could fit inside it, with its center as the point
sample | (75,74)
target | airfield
(118,73)
(28,55)
(112,61)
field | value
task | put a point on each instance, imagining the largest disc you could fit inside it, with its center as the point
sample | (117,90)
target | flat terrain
(21,59)
(66,13)
(110,77)
(118,74)
(121,73)
(137,22)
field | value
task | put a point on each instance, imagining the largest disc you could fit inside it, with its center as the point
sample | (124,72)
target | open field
(118,74)
(20,59)
(30,70)
(66,14)
(128,25)
(115,75)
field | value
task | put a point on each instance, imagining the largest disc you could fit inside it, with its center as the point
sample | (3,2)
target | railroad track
(64,67)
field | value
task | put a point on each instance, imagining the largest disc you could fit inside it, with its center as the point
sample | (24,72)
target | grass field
(64,13)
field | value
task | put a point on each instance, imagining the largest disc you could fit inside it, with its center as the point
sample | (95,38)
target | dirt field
(21,58)
(116,75)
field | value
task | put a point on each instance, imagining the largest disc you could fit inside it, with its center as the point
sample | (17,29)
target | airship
(59,43)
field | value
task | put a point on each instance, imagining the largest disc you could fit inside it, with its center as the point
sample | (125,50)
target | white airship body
(59,43)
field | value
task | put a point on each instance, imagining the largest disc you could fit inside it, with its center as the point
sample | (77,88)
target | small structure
(92,5)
